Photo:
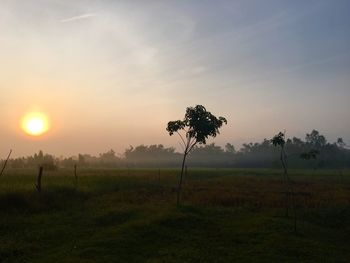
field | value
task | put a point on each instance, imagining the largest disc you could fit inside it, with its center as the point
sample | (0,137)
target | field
(227,215)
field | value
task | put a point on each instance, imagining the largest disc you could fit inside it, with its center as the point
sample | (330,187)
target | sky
(110,74)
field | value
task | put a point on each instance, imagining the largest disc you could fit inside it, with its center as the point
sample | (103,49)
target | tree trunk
(290,190)
(38,185)
(285,179)
(283,161)
(180,181)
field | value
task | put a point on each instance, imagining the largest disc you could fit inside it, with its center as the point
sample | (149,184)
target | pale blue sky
(113,73)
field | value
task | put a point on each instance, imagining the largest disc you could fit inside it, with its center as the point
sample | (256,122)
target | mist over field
(335,155)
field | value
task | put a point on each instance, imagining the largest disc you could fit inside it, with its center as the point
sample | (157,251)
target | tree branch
(191,147)
(182,139)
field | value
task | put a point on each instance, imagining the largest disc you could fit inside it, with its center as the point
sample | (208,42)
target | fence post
(75,176)
(38,185)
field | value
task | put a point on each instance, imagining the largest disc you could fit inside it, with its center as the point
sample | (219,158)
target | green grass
(130,216)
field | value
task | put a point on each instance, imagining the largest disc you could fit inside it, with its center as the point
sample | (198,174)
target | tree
(340,143)
(279,140)
(108,158)
(197,125)
(230,148)
(316,139)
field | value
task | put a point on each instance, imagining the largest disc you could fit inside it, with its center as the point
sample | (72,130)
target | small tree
(316,139)
(340,143)
(197,125)
(279,140)
(341,146)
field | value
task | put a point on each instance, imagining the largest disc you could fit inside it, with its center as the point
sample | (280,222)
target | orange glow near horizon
(35,124)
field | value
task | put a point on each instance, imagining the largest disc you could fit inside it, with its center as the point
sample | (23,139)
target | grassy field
(227,215)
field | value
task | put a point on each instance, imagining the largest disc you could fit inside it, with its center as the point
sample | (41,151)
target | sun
(35,123)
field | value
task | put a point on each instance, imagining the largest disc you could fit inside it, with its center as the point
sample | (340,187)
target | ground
(227,215)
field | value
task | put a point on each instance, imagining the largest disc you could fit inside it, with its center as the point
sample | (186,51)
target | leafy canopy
(278,140)
(316,139)
(198,124)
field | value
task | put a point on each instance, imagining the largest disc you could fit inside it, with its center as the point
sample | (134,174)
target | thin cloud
(74,18)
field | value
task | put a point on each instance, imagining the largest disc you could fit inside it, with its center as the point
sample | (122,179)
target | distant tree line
(254,155)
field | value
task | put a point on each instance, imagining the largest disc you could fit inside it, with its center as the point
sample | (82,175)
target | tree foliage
(278,140)
(197,126)
(316,139)
(263,154)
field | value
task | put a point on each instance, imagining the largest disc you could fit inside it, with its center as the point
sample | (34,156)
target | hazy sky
(110,74)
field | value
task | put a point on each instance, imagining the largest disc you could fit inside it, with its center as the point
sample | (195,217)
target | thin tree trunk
(285,179)
(5,163)
(180,181)
(283,161)
(38,185)
(292,202)
(291,196)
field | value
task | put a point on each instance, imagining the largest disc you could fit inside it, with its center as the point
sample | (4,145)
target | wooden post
(38,185)
(4,166)
(158,174)
(75,176)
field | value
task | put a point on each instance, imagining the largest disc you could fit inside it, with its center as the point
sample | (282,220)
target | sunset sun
(35,124)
